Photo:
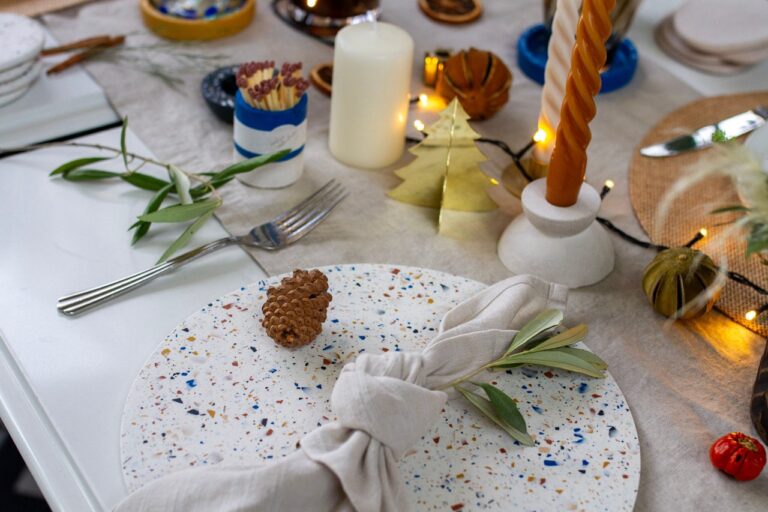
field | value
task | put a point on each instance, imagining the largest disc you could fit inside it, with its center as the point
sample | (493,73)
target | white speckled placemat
(218,390)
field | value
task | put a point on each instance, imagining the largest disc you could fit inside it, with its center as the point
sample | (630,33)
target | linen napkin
(384,404)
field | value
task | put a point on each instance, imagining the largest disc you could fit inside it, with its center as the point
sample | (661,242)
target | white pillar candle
(556,73)
(372,65)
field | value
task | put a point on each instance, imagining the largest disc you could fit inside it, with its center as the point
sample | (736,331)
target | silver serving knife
(702,138)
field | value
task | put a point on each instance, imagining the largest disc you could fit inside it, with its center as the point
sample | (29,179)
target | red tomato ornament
(738,455)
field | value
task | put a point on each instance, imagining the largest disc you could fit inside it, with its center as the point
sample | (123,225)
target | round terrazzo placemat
(650,178)
(218,390)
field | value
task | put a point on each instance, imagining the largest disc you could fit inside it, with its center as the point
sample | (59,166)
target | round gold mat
(650,178)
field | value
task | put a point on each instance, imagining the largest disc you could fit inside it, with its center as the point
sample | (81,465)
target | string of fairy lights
(517,158)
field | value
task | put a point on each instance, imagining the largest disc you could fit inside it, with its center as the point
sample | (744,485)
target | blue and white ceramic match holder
(261,132)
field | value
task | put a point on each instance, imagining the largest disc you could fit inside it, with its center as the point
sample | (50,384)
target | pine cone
(295,311)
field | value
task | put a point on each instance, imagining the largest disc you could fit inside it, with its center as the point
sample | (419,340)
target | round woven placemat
(650,178)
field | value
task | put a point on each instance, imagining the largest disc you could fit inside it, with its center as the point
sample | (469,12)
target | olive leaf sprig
(194,203)
(537,343)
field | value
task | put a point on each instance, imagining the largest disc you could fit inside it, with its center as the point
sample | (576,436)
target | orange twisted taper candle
(569,157)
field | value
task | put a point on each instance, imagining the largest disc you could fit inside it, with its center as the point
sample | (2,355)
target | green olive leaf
(89,175)
(144,181)
(544,321)
(564,339)
(564,358)
(122,141)
(484,406)
(75,164)
(249,164)
(182,212)
(142,227)
(226,174)
(506,408)
(186,236)
(212,183)
(587,356)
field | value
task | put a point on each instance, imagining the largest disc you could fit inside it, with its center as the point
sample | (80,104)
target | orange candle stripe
(569,157)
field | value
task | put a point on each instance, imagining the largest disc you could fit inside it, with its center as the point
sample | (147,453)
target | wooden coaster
(322,77)
(722,63)
(672,45)
(452,11)
(717,27)
(651,178)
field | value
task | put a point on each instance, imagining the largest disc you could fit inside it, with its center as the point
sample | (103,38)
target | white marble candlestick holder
(562,245)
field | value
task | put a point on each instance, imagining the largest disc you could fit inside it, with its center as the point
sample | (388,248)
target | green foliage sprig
(745,167)
(194,204)
(537,343)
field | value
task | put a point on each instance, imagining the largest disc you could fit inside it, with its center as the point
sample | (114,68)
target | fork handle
(78,302)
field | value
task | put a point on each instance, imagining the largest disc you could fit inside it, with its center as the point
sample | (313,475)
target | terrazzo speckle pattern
(218,389)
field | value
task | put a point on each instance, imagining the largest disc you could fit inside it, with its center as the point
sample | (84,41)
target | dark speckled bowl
(218,89)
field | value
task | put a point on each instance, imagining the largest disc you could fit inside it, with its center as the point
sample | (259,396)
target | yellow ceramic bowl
(172,27)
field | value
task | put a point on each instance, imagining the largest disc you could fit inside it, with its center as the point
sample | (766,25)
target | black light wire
(517,157)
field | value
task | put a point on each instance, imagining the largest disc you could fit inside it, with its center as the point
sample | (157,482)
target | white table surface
(63,381)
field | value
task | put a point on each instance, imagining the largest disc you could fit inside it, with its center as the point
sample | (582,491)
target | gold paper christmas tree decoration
(446,173)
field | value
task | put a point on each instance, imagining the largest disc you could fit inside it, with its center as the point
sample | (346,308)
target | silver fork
(279,232)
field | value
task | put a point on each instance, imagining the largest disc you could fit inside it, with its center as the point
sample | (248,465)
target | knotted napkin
(384,405)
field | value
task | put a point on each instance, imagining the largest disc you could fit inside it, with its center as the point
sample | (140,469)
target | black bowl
(219,88)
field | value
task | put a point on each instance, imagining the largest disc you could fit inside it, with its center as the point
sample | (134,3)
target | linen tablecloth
(687,383)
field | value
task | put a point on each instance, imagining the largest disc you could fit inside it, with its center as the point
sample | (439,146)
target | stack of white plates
(21,40)
(716,36)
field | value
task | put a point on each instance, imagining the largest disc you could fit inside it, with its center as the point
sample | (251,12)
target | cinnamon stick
(77,45)
(85,54)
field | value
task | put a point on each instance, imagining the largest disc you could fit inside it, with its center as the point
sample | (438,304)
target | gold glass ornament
(675,278)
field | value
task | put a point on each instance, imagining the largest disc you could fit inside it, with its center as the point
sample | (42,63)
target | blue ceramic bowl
(197,9)
(532,59)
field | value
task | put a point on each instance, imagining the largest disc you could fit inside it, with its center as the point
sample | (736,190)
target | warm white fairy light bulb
(418,125)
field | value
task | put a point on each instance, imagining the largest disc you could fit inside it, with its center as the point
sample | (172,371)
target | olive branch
(537,343)
(196,194)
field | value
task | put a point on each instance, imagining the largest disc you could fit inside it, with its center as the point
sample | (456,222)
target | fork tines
(327,197)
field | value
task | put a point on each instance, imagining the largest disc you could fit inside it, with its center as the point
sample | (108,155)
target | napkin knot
(383,395)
